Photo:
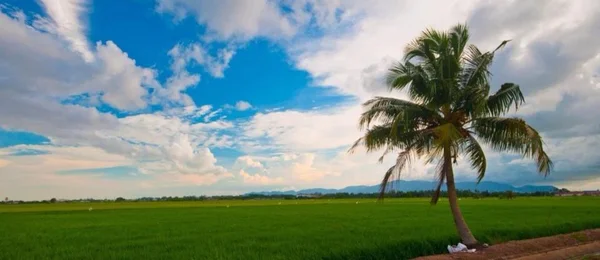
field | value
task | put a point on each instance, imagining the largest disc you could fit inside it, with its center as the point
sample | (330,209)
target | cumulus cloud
(557,72)
(257,179)
(47,88)
(284,169)
(247,161)
(39,77)
(122,83)
(306,130)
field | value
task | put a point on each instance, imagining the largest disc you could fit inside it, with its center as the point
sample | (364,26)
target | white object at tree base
(460,248)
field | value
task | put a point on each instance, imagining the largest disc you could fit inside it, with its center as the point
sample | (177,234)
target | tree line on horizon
(340,195)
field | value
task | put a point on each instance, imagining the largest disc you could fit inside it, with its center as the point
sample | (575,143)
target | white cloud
(230,19)
(554,56)
(196,53)
(299,169)
(347,61)
(182,58)
(37,71)
(212,115)
(560,79)
(247,161)
(67,21)
(257,179)
(303,169)
(121,81)
(307,131)
(242,105)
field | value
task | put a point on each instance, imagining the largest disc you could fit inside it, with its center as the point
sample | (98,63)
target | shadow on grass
(412,249)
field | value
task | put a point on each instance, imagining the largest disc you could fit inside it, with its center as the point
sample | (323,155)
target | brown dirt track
(567,246)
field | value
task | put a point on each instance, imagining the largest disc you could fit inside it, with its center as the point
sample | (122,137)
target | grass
(311,229)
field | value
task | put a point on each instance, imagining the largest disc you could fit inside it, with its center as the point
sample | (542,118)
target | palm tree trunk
(461,226)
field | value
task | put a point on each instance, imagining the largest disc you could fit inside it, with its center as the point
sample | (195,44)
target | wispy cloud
(68,22)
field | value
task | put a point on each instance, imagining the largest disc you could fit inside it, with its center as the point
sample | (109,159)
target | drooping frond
(508,95)
(438,187)
(388,150)
(476,156)
(394,172)
(375,138)
(404,113)
(381,136)
(514,135)
(443,167)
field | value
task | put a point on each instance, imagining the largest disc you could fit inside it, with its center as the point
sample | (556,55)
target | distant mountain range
(419,186)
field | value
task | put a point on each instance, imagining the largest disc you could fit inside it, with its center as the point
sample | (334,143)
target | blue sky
(183,97)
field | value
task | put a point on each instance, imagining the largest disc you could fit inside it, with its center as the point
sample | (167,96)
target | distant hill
(419,186)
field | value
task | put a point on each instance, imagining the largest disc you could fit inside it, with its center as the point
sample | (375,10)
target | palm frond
(381,136)
(476,156)
(471,101)
(423,48)
(395,171)
(418,80)
(475,67)
(441,170)
(514,135)
(389,149)
(374,139)
(508,95)
(459,36)
(408,114)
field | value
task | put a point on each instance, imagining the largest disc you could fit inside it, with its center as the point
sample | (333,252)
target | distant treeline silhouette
(312,196)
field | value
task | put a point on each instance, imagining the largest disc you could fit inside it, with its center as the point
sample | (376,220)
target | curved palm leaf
(513,134)
(475,67)
(441,176)
(508,95)
(389,109)
(476,156)
(394,172)
(421,87)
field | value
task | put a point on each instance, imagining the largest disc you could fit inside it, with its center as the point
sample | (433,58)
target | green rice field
(276,229)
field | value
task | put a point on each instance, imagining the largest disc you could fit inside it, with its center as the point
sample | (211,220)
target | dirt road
(567,246)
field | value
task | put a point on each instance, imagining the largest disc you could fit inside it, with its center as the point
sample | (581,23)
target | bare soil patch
(567,246)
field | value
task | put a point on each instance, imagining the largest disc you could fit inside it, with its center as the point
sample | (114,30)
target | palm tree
(451,112)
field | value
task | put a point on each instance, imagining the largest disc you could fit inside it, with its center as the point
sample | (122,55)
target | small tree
(120,199)
(510,194)
(53,200)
